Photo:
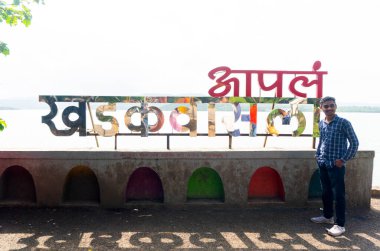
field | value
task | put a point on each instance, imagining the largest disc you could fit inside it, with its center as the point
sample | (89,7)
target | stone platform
(116,179)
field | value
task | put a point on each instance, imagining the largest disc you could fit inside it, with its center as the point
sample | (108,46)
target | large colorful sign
(224,78)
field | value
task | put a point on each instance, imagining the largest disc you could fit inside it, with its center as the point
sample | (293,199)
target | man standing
(332,154)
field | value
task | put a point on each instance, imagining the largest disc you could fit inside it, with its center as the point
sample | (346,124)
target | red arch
(266,183)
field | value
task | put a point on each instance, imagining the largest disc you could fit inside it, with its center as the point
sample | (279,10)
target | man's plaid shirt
(333,141)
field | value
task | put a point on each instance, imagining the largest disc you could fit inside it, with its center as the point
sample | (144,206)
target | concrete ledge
(375,192)
(111,171)
(167,154)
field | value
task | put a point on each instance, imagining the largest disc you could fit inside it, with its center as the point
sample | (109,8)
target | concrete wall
(49,171)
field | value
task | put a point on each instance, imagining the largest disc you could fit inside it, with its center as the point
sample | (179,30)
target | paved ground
(163,229)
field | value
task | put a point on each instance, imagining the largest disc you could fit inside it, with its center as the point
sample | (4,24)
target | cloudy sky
(83,47)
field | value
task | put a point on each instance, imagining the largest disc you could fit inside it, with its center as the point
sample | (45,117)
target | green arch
(315,189)
(205,183)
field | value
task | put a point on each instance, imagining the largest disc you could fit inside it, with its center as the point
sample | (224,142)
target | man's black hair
(327,98)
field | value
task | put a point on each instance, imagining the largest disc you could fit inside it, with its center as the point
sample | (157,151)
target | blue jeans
(332,181)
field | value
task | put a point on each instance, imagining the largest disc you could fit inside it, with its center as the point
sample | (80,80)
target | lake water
(25,131)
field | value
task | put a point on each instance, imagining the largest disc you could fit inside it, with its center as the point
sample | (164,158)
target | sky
(167,48)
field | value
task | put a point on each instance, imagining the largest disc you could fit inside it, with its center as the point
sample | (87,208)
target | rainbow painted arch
(144,184)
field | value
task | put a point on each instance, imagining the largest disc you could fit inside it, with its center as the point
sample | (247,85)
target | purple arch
(17,185)
(144,184)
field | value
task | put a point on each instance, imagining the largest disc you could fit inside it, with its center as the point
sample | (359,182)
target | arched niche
(315,189)
(205,183)
(144,185)
(81,186)
(17,185)
(266,184)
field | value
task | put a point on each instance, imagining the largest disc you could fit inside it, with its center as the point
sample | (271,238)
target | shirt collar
(335,118)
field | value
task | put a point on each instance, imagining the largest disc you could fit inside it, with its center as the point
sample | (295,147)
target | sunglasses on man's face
(328,106)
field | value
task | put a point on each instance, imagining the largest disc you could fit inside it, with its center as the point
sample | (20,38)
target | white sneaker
(336,230)
(322,219)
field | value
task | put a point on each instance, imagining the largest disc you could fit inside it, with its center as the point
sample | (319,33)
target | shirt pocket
(336,133)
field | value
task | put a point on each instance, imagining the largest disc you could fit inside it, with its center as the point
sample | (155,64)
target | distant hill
(365,109)
(32,104)
(21,104)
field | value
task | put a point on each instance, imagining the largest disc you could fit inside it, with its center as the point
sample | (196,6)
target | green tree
(14,13)
(2,124)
